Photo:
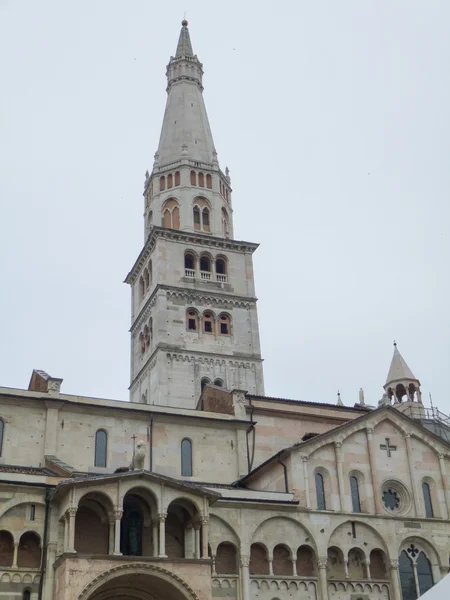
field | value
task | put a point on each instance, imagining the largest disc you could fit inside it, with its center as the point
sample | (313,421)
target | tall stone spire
(400,381)
(185,124)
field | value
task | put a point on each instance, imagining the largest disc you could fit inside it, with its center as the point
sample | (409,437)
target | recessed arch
(170,214)
(192,319)
(283,529)
(29,551)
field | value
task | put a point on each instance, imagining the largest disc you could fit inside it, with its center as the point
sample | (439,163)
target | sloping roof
(332,432)
(26,470)
(399,369)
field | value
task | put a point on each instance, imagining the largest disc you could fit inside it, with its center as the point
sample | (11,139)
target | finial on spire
(184,22)
(361,396)
(184,47)
(339,401)
(395,344)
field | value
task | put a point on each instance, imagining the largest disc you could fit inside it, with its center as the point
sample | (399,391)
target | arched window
(201,180)
(162,184)
(203,382)
(141,287)
(170,181)
(221,266)
(218,382)
(225,224)
(427,500)
(205,219)
(209,181)
(193,178)
(6,549)
(186,458)
(150,327)
(177,178)
(147,337)
(354,488)
(2,429)
(227,559)
(150,219)
(29,551)
(100,448)
(225,325)
(142,343)
(189,264)
(192,320)
(26,595)
(282,561)
(320,492)
(205,264)
(424,574)
(197,224)
(407,581)
(171,214)
(146,280)
(259,560)
(208,322)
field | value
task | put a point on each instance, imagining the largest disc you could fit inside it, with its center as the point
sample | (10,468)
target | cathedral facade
(201,486)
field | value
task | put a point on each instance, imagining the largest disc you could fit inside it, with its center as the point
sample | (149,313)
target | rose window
(391,499)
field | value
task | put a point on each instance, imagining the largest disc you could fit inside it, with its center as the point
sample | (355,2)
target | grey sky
(334,120)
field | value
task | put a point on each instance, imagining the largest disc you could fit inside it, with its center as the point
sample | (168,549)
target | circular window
(395,497)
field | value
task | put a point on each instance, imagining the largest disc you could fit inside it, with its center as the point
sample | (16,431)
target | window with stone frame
(429,513)
(356,500)
(101,440)
(320,492)
(192,320)
(225,324)
(186,458)
(208,322)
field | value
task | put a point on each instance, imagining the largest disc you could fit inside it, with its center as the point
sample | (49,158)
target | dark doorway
(131,527)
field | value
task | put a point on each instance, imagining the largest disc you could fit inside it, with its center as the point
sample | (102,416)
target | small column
(368,573)
(117,517)
(305,478)
(373,470)
(294,567)
(270,566)
(205,527)
(396,593)
(323,583)
(411,473)
(16,548)
(245,577)
(155,537)
(111,534)
(441,458)
(47,592)
(66,532)
(340,474)
(197,540)
(213,568)
(346,569)
(72,514)
(162,535)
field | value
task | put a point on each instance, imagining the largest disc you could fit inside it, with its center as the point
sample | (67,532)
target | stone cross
(388,447)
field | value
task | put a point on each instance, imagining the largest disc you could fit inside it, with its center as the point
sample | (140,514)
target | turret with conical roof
(400,381)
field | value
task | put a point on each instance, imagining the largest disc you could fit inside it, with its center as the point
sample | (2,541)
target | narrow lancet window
(100,448)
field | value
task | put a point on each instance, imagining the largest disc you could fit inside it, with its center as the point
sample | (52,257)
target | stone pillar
(111,535)
(162,535)
(294,567)
(340,474)
(49,576)
(155,537)
(395,581)
(306,481)
(373,470)
(213,568)
(205,527)
(411,474)
(16,548)
(66,532)
(196,540)
(323,583)
(346,569)
(245,577)
(270,566)
(441,458)
(72,514)
(367,566)
(117,516)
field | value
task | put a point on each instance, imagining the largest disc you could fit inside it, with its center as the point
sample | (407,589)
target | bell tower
(194,317)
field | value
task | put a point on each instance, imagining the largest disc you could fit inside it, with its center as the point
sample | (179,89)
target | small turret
(400,381)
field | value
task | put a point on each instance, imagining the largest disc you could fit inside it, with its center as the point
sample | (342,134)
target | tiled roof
(25,470)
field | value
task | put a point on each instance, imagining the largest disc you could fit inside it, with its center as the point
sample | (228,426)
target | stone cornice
(247,361)
(185,237)
(218,299)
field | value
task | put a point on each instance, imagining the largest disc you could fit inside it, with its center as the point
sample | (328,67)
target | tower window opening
(177,178)
(218,382)
(205,264)
(205,219)
(225,325)
(201,180)
(209,181)
(142,343)
(196,217)
(192,320)
(162,184)
(32,512)
(170,181)
(221,268)
(193,178)
(208,323)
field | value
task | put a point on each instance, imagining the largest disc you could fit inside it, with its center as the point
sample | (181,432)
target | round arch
(221,531)
(422,544)
(138,578)
(341,533)
(295,536)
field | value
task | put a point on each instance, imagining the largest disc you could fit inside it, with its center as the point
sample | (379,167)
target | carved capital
(407,436)
(369,430)
(118,513)
(162,517)
(441,456)
(322,562)
(305,459)
(338,444)
(393,564)
(204,519)
(72,511)
(245,561)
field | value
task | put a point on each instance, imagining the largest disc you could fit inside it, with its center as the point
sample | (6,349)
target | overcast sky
(334,120)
